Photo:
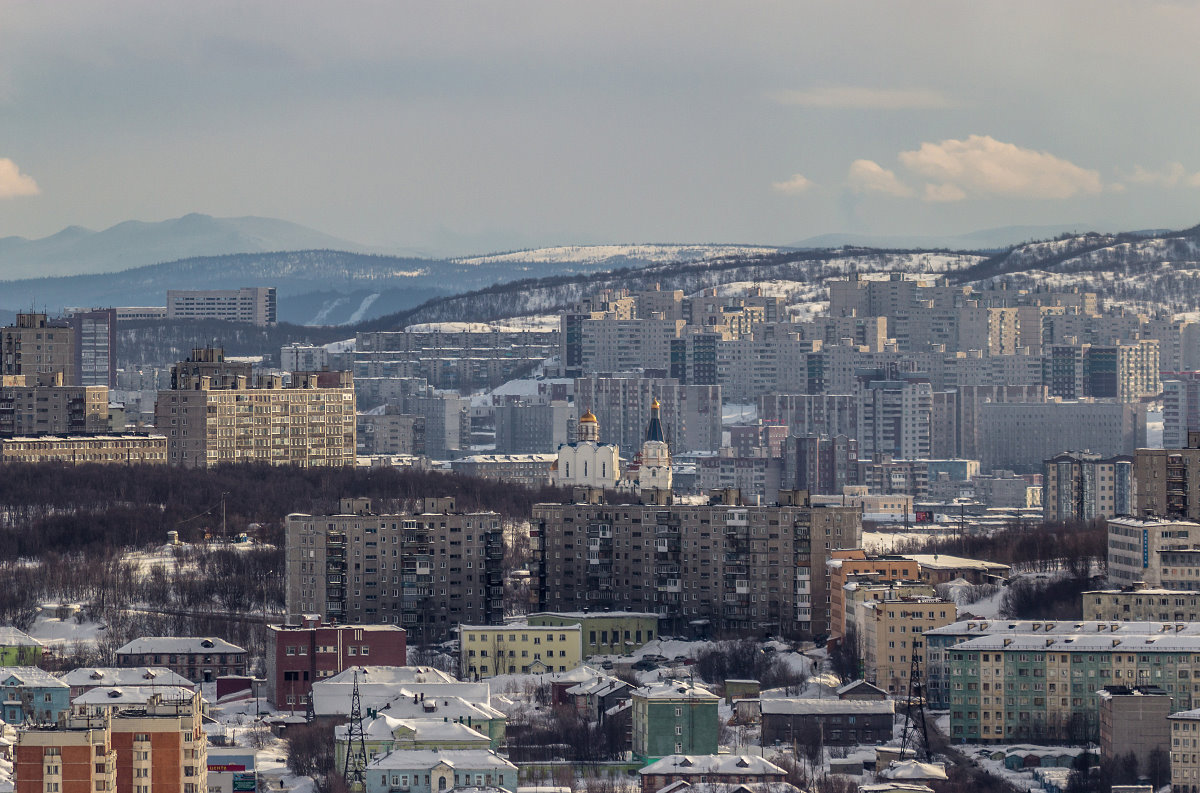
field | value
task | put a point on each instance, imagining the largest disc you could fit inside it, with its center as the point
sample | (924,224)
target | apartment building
(841,722)
(690,414)
(1185,751)
(518,647)
(1167,481)
(255,305)
(388,430)
(426,571)
(1086,486)
(157,745)
(523,428)
(1033,687)
(95,333)
(895,416)
(36,345)
(720,568)
(1021,436)
(819,464)
(673,717)
(480,357)
(891,636)
(531,470)
(1137,549)
(299,655)
(1141,603)
(605,632)
(214,414)
(1181,408)
(69,758)
(199,659)
(846,563)
(1133,719)
(41,405)
(299,357)
(86,449)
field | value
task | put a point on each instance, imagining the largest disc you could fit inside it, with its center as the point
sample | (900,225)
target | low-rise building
(673,717)
(487,650)
(32,696)
(605,632)
(384,733)
(719,768)
(1142,603)
(18,648)
(199,659)
(85,678)
(942,568)
(841,722)
(430,771)
(1041,687)
(531,470)
(85,449)
(298,655)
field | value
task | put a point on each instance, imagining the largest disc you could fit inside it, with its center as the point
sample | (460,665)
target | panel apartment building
(215,414)
(720,569)
(36,345)
(1167,481)
(255,305)
(427,571)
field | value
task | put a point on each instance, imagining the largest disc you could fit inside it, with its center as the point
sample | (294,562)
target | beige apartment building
(1167,481)
(214,414)
(1145,550)
(1141,603)
(84,449)
(716,569)
(36,345)
(39,404)
(426,571)
(1086,486)
(1185,751)
(891,632)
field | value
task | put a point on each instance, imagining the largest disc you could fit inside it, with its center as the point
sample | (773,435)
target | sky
(476,126)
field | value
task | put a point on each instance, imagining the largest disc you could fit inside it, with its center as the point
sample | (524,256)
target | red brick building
(298,655)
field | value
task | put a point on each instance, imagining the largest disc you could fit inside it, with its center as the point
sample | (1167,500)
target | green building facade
(1042,688)
(18,648)
(673,717)
(605,632)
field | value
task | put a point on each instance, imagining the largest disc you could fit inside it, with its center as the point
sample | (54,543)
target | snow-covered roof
(674,689)
(1086,642)
(29,676)
(465,759)
(405,702)
(123,676)
(383,727)
(683,786)
(990,627)
(712,764)
(11,637)
(579,674)
(804,706)
(895,787)
(944,561)
(179,645)
(913,769)
(577,615)
(854,685)
(395,675)
(132,695)
(599,687)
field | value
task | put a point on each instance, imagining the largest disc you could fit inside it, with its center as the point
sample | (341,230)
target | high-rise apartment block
(255,305)
(690,414)
(721,568)
(41,405)
(480,357)
(1181,408)
(426,571)
(1086,486)
(1167,481)
(95,346)
(35,345)
(215,414)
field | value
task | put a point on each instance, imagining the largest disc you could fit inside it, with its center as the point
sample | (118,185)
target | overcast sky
(478,124)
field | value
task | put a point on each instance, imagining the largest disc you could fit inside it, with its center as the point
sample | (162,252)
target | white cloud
(944,192)
(868,176)
(797,184)
(1173,174)
(13,183)
(983,166)
(859,97)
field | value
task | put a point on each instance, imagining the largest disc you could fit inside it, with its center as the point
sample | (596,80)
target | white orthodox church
(587,462)
(651,468)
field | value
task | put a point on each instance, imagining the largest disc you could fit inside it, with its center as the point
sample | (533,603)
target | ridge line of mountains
(365,290)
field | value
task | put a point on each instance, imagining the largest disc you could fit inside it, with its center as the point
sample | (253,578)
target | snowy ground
(62,634)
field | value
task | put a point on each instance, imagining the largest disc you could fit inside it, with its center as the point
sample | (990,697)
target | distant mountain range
(79,251)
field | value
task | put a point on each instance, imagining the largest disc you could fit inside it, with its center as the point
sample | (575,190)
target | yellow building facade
(489,650)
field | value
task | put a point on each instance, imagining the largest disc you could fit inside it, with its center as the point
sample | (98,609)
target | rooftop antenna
(356,743)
